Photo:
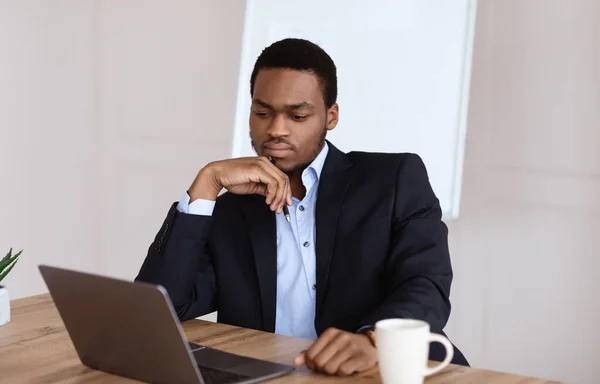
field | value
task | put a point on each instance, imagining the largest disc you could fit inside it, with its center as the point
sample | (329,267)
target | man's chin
(287,169)
(288,166)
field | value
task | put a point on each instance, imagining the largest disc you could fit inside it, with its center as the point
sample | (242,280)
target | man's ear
(333,115)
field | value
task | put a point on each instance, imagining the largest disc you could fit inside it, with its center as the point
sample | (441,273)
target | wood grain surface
(35,348)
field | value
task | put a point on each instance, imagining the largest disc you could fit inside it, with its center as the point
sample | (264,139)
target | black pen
(286,211)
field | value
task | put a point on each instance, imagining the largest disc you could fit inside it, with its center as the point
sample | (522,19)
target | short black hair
(301,55)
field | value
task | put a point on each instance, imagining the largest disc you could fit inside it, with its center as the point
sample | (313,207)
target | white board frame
(241,128)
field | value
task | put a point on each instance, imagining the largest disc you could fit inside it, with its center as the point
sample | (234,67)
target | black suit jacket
(381,251)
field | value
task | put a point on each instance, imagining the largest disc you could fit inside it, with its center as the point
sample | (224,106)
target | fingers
(265,182)
(279,189)
(332,349)
(300,359)
(319,346)
(260,189)
(331,362)
(321,343)
(338,353)
(255,175)
(286,189)
(351,366)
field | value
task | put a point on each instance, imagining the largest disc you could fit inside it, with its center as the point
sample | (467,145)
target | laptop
(131,329)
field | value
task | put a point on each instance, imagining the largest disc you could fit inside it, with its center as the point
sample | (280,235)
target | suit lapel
(260,221)
(335,179)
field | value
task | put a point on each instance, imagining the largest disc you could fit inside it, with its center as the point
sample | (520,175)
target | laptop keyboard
(217,376)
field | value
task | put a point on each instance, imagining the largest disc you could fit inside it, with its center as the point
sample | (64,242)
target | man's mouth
(277,150)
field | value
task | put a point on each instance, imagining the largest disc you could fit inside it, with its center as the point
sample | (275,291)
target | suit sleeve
(418,269)
(179,260)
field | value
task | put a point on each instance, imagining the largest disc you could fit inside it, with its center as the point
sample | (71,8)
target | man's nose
(278,127)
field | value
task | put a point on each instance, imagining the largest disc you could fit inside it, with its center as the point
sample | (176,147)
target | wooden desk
(35,348)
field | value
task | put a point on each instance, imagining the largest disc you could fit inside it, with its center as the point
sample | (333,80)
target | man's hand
(243,176)
(339,353)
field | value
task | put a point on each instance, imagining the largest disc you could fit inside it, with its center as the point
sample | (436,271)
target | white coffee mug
(403,350)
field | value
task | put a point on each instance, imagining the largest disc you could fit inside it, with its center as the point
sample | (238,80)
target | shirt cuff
(197,207)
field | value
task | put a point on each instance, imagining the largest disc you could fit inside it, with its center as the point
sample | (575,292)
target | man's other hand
(339,353)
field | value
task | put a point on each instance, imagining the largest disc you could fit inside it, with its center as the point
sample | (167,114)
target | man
(364,240)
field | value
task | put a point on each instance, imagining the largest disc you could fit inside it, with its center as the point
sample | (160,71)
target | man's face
(288,117)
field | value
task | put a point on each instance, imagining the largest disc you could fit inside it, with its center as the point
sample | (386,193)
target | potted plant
(6,265)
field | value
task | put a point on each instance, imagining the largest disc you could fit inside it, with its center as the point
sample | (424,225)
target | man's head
(294,90)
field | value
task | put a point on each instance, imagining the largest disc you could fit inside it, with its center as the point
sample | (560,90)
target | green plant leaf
(3,275)
(6,262)
(8,255)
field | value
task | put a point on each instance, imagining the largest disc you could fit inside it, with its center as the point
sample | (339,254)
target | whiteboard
(403,76)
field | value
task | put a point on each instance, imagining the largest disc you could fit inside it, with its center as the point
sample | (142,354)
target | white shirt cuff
(197,207)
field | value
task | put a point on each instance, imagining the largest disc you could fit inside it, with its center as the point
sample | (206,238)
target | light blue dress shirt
(296,258)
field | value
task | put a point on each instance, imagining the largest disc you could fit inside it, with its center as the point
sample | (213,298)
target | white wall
(49,200)
(108,108)
(526,248)
(168,75)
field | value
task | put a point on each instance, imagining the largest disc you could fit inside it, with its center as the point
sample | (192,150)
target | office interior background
(108,109)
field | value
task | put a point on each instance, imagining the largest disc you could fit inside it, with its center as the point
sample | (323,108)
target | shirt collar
(318,162)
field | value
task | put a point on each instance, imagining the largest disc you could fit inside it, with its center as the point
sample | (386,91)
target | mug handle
(433,337)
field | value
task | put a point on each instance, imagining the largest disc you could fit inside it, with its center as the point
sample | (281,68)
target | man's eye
(260,114)
(300,117)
